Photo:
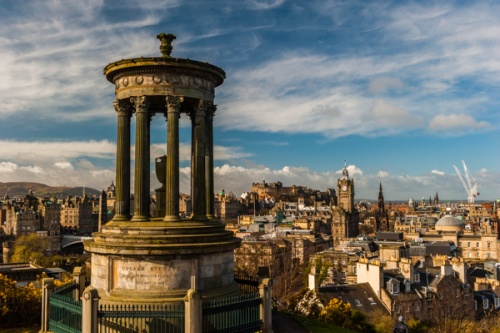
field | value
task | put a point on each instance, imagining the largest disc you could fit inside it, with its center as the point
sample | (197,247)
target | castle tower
(141,259)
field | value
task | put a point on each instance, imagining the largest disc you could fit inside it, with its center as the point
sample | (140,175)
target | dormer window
(393,286)
(416,278)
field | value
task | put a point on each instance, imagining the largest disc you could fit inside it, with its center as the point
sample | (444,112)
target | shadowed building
(137,258)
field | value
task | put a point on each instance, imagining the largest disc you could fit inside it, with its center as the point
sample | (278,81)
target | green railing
(161,318)
(237,314)
(65,311)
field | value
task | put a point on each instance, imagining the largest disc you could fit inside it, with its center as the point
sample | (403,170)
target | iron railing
(65,311)
(239,314)
(248,284)
(123,318)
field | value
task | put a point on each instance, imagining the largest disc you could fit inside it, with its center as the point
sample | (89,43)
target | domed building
(449,223)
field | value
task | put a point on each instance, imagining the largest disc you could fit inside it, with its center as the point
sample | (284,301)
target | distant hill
(20,189)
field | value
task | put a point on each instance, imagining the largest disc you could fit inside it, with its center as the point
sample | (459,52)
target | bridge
(68,240)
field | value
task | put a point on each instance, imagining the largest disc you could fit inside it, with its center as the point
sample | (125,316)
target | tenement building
(77,216)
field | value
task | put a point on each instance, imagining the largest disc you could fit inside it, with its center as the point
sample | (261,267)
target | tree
(31,248)
(18,304)
(452,307)
(341,314)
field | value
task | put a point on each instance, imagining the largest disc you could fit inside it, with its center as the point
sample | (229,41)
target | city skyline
(400,91)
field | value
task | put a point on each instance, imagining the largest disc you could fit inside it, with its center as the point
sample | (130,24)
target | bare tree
(451,308)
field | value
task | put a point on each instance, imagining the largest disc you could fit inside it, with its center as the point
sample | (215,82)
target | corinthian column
(209,162)
(198,190)
(122,200)
(172,178)
(142,172)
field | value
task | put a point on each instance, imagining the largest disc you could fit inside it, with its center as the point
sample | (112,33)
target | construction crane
(469,183)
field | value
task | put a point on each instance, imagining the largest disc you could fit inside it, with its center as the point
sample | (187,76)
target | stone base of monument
(158,262)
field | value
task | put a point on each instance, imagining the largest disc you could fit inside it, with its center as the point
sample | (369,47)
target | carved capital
(210,112)
(174,103)
(141,103)
(203,108)
(123,108)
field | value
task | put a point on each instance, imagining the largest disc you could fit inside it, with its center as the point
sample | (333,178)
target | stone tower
(345,191)
(137,258)
(345,218)
(382,214)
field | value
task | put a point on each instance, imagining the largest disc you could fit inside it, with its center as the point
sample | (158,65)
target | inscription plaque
(140,275)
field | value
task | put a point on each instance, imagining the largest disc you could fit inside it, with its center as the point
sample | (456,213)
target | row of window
(462,244)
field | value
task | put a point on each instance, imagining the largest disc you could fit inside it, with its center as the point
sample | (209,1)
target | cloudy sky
(400,90)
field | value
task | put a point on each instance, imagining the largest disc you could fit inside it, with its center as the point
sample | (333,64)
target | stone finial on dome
(166,43)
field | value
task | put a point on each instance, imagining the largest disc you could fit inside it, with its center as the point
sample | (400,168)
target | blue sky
(400,90)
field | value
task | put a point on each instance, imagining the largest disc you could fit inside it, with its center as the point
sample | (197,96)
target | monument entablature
(161,76)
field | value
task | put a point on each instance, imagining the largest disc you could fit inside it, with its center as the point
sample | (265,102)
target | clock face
(344,188)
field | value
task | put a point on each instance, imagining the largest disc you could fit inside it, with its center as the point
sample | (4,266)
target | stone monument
(141,259)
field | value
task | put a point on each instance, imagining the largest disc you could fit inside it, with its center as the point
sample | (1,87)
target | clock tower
(345,218)
(345,191)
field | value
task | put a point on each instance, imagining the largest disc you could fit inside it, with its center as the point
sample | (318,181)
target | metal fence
(237,314)
(65,311)
(161,318)
(248,284)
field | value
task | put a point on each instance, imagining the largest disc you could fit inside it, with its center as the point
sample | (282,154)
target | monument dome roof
(448,221)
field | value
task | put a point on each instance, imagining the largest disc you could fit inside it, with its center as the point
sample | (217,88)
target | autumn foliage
(18,305)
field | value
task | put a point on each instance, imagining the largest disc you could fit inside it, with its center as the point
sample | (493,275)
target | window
(358,303)
(468,244)
(486,303)
(477,244)
(469,255)
(489,245)
(393,287)
(397,310)
(489,255)
(497,302)
(417,277)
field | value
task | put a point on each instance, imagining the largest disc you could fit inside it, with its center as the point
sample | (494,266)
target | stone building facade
(77,215)
(21,217)
(227,206)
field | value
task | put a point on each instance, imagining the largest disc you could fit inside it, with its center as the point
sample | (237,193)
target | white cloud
(383,174)
(31,151)
(8,167)
(264,4)
(459,122)
(399,187)
(381,85)
(390,115)
(63,165)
